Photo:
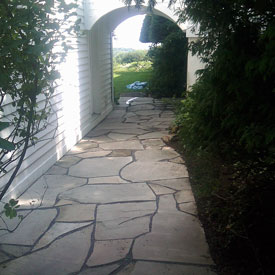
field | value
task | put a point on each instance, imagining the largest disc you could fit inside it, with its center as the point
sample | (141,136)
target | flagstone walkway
(119,202)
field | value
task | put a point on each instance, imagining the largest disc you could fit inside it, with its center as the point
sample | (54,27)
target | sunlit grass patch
(129,73)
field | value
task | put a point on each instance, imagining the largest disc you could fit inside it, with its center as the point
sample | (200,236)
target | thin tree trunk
(22,154)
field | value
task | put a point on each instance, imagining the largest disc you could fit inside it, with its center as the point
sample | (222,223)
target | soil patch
(234,254)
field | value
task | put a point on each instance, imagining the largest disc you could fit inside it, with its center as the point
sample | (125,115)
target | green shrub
(229,115)
(169,66)
(169,59)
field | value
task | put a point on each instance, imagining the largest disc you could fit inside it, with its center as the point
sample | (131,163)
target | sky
(127,34)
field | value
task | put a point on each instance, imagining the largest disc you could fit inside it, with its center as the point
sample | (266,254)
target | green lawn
(124,75)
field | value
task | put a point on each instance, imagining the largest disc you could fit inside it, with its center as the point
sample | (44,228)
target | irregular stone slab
(109,251)
(152,135)
(57,230)
(125,220)
(15,250)
(108,166)
(130,144)
(148,112)
(101,139)
(65,202)
(153,268)
(147,171)
(175,237)
(134,131)
(85,140)
(117,136)
(144,101)
(148,125)
(184,196)
(147,147)
(166,113)
(3,257)
(121,153)
(116,121)
(57,184)
(177,184)
(110,193)
(130,114)
(116,114)
(29,230)
(189,207)
(161,190)
(149,118)
(76,213)
(83,146)
(94,154)
(177,160)
(11,224)
(57,170)
(153,155)
(44,262)
(153,142)
(163,127)
(32,197)
(103,270)
(136,119)
(164,130)
(165,124)
(77,153)
(111,125)
(141,107)
(68,161)
(163,119)
(106,180)
(97,132)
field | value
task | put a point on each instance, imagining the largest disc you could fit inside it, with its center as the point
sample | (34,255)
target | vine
(34,39)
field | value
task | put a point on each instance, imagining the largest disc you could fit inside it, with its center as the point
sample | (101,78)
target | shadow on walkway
(119,202)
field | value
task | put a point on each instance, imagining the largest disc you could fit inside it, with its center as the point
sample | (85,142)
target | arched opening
(100,40)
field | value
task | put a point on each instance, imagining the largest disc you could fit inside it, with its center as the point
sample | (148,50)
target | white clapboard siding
(72,105)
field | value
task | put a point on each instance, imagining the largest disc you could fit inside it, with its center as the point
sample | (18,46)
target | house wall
(75,110)
(193,61)
(96,9)
(101,70)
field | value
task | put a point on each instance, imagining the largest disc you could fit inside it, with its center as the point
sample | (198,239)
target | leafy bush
(233,103)
(169,66)
(230,115)
(169,59)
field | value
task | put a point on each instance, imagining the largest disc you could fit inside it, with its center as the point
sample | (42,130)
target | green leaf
(4,125)
(6,145)
(13,202)
(10,208)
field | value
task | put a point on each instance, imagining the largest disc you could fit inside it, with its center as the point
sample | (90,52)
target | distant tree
(131,56)
(156,28)
(169,59)
(145,30)
(169,63)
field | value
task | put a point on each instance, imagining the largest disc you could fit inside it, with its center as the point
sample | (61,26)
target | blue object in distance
(137,85)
